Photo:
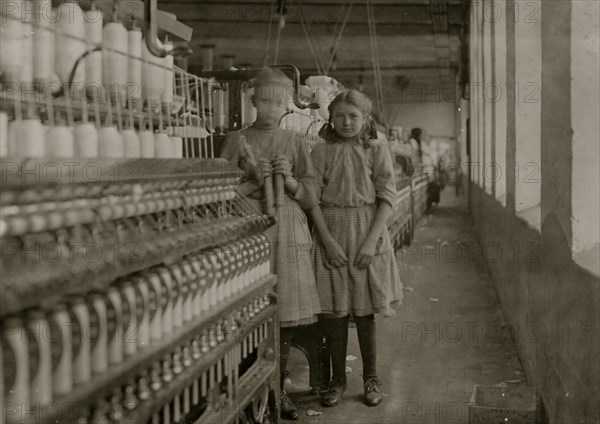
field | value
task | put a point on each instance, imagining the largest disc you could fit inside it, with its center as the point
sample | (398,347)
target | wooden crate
(503,405)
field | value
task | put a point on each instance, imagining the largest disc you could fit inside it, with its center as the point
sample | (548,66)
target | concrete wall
(548,276)
(552,306)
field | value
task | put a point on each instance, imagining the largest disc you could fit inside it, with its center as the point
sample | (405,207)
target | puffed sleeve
(231,152)
(307,194)
(383,174)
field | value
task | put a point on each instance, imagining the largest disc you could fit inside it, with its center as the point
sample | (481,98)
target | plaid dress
(353,179)
(290,238)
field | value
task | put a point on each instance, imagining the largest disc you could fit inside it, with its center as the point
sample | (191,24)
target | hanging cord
(337,24)
(271,14)
(375,47)
(375,58)
(337,42)
(378,61)
(308,37)
(279,29)
(375,55)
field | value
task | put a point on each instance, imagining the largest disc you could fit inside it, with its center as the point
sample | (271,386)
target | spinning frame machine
(134,289)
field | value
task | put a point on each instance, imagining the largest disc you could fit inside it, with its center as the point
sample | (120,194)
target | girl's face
(348,120)
(270,103)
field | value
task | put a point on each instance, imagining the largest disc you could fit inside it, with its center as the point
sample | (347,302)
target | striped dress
(353,180)
(290,238)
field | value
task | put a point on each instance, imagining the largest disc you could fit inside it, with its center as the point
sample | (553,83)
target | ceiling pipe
(155,46)
(301,104)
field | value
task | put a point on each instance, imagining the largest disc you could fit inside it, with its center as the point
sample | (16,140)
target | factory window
(499,101)
(488,93)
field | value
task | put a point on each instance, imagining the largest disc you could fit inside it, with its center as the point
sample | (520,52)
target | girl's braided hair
(360,101)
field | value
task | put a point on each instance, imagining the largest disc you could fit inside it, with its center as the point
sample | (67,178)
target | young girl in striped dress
(354,261)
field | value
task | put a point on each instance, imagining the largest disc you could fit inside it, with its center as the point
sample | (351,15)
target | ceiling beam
(314,14)
(254,30)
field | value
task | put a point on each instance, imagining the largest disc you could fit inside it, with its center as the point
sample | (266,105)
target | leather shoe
(333,396)
(373,393)
(288,409)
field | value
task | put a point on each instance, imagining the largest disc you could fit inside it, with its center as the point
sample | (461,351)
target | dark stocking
(365,328)
(336,331)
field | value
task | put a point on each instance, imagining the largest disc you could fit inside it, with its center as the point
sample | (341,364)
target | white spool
(70,43)
(134,71)
(114,64)
(93,38)
(86,140)
(146,144)
(41,380)
(11,32)
(110,143)
(30,139)
(27,46)
(167,94)
(163,147)
(60,142)
(16,393)
(153,78)
(3,134)
(131,144)
(177,147)
(43,42)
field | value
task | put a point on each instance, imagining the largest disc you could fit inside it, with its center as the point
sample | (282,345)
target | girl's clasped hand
(279,165)
(282,166)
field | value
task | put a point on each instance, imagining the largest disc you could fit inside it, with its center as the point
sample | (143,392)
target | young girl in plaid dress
(354,261)
(283,152)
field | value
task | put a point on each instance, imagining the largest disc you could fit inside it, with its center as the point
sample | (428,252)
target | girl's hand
(264,169)
(365,254)
(282,166)
(335,254)
(250,171)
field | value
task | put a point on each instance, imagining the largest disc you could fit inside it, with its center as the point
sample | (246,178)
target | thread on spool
(70,44)
(115,60)
(31,139)
(59,141)
(152,77)
(11,33)
(93,61)
(110,143)
(86,140)
(43,43)
(134,70)
(27,46)
(131,144)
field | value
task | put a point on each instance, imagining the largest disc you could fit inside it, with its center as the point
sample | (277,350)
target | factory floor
(448,336)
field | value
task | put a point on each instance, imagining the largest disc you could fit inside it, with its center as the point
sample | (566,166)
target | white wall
(528,114)
(436,118)
(585,113)
(500,103)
